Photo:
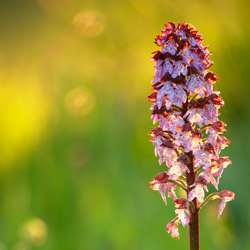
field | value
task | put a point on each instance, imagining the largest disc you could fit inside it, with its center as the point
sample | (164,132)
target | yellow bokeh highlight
(35,231)
(79,101)
(89,23)
(24,112)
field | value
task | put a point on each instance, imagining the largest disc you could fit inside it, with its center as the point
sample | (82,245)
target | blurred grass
(75,156)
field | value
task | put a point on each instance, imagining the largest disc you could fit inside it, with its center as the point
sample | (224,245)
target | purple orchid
(189,134)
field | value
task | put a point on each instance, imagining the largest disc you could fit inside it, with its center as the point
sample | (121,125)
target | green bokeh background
(75,155)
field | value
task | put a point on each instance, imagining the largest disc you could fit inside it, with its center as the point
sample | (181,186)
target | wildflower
(205,156)
(161,184)
(198,189)
(225,196)
(218,166)
(182,210)
(188,137)
(172,227)
(179,167)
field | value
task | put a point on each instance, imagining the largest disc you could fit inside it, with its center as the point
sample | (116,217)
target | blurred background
(75,157)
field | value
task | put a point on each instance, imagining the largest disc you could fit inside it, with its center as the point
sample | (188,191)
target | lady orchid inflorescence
(189,134)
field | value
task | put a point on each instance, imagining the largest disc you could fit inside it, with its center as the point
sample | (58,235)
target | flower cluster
(189,134)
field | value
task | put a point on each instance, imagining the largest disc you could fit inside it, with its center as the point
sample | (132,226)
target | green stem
(192,97)
(177,152)
(177,108)
(205,126)
(178,184)
(208,198)
(199,168)
(169,134)
(183,183)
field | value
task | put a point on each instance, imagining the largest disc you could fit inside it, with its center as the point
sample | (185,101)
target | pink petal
(182,34)
(168,65)
(197,192)
(162,192)
(227,195)
(187,55)
(192,41)
(170,47)
(170,154)
(170,188)
(182,216)
(194,81)
(180,95)
(176,169)
(172,227)
(187,113)
(195,117)
(221,208)
(212,138)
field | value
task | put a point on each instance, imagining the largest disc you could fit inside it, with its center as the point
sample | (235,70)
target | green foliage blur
(75,157)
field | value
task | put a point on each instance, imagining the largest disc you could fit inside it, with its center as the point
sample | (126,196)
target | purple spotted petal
(197,192)
(170,48)
(222,205)
(162,192)
(182,216)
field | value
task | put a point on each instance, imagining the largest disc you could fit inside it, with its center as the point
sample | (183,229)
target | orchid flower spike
(188,135)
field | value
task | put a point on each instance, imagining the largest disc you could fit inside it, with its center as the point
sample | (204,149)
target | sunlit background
(75,157)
